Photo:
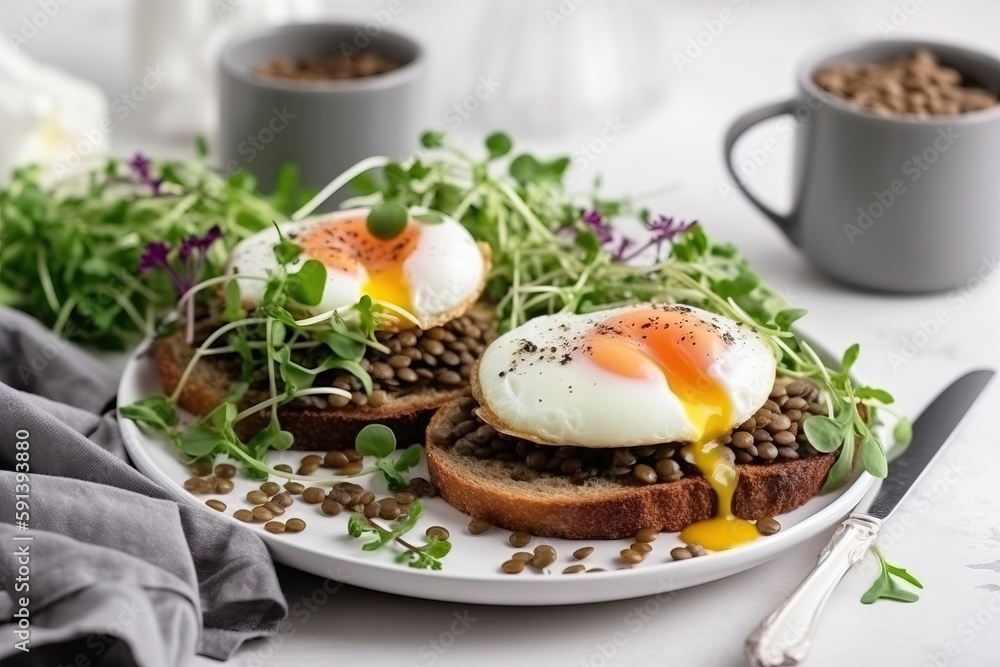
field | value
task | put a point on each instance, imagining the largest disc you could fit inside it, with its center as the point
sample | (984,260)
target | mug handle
(784,222)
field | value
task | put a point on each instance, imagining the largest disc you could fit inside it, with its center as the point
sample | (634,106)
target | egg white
(537,397)
(445,272)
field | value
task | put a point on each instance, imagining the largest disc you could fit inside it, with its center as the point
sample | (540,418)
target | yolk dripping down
(348,246)
(681,348)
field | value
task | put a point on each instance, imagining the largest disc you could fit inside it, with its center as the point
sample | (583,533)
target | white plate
(471,571)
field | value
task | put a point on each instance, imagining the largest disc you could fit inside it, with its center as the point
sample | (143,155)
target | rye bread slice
(314,428)
(514,497)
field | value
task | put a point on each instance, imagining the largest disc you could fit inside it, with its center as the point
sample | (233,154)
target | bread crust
(486,489)
(313,428)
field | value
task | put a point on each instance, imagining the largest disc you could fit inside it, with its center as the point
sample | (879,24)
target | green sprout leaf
(885,587)
(387,220)
(198,440)
(902,432)
(429,217)
(152,413)
(285,251)
(880,395)
(840,472)
(873,456)
(498,144)
(850,356)
(308,283)
(432,139)
(824,434)
(409,458)
(375,440)
(786,317)
(234,306)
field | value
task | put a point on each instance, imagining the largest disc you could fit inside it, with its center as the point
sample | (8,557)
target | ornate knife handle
(783,638)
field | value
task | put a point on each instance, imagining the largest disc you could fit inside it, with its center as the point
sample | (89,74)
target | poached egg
(433,271)
(629,377)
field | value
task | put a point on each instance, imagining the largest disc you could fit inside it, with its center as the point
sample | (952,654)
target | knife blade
(783,638)
(931,432)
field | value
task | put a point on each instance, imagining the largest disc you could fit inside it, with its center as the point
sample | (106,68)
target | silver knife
(783,638)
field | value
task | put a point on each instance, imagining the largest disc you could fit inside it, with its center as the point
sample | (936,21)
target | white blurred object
(561,66)
(47,116)
(182,39)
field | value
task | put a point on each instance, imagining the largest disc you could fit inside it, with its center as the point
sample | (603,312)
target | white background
(952,541)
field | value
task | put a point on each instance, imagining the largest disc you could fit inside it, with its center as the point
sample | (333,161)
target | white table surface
(951,535)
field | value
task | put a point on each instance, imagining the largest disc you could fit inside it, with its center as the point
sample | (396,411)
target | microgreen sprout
(885,586)
(425,556)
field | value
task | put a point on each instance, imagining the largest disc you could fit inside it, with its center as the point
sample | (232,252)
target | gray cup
(323,127)
(890,203)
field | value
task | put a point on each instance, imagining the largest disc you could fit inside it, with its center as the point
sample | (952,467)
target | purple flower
(186,271)
(663,229)
(140,165)
(193,244)
(602,230)
(155,255)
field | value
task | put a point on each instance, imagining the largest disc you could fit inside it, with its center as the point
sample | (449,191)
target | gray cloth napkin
(117,572)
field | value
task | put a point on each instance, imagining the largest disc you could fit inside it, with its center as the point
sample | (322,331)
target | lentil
(217,505)
(225,471)
(519,539)
(294,488)
(270,488)
(331,507)
(513,566)
(313,495)
(245,516)
(437,533)
(274,527)
(583,552)
(768,526)
(261,514)
(295,525)
(256,497)
(631,556)
(680,553)
(574,569)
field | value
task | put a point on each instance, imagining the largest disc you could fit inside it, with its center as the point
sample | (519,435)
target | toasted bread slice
(314,428)
(513,496)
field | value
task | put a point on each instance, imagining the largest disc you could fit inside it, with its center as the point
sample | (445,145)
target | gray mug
(899,203)
(323,127)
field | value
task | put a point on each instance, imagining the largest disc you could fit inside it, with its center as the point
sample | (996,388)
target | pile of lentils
(773,433)
(441,357)
(270,500)
(333,67)
(915,84)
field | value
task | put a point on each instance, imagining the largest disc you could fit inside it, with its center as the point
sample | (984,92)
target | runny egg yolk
(681,348)
(348,246)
